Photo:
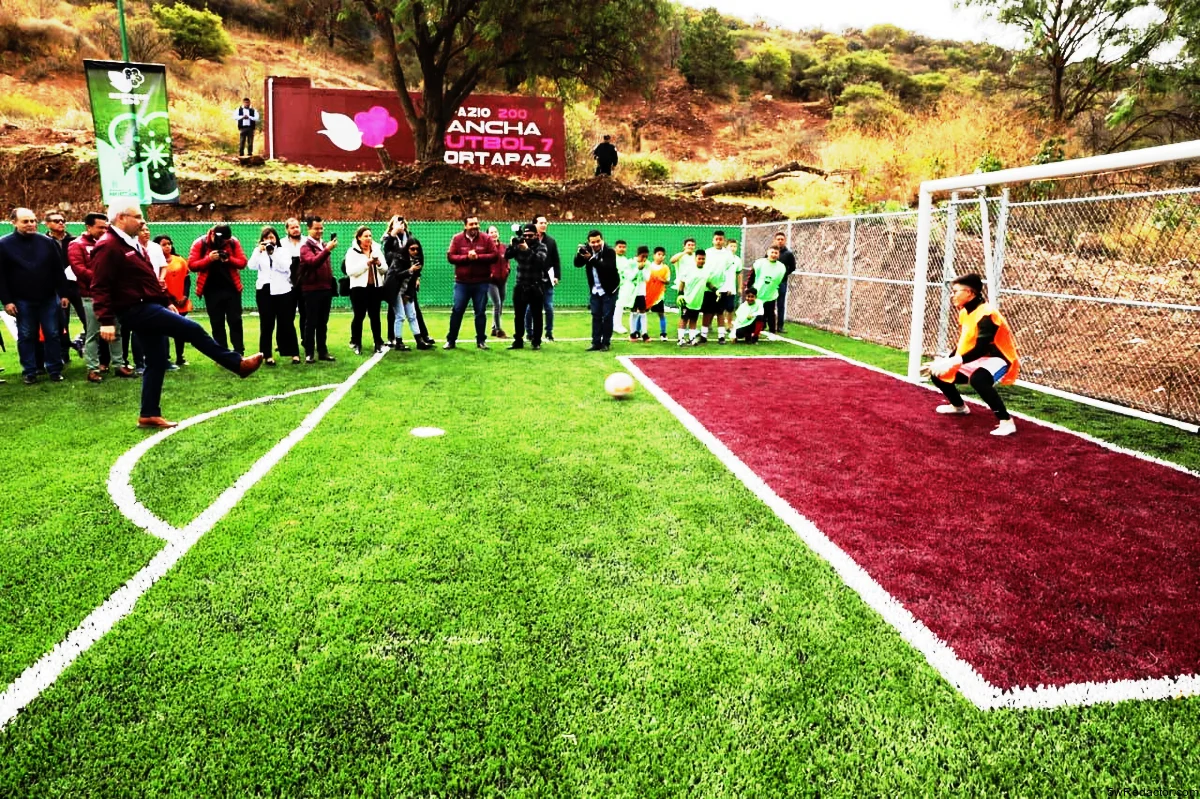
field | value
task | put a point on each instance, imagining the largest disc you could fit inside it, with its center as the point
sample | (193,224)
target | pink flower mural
(376,125)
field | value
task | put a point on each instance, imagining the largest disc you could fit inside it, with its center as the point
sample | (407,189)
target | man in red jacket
(472,255)
(79,255)
(218,259)
(125,286)
(316,289)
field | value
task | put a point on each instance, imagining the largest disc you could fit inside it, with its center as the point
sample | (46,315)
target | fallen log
(754,184)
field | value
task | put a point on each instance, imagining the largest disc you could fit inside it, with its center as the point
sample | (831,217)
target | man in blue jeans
(125,286)
(33,287)
(599,262)
(472,255)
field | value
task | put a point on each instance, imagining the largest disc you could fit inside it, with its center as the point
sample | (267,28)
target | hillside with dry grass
(674,132)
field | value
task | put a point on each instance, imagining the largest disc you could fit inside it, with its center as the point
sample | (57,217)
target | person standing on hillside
(605,155)
(247,120)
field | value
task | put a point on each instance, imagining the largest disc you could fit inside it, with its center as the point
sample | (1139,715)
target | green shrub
(147,41)
(771,67)
(863,91)
(931,84)
(707,56)
(16,107)
(194,34)
(646,168)
(872,111)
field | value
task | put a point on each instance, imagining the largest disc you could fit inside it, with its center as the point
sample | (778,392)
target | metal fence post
(985,234)
(998,254)
(849,276)
(947,273)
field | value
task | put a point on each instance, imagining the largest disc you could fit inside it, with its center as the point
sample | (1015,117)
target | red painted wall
(338,129)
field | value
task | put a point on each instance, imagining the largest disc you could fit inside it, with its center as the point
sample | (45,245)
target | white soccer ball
(619,385)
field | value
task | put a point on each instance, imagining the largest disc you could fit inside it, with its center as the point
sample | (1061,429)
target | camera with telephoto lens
(270,248)
(517,235)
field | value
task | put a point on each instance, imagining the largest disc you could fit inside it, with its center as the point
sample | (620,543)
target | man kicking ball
(986,354)
(125,286)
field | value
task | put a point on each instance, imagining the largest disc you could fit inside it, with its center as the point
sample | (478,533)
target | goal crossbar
(1132,159)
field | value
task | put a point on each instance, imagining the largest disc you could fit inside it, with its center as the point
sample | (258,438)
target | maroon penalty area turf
(1040,559)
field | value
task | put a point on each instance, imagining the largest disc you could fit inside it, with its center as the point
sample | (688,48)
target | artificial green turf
(563,596)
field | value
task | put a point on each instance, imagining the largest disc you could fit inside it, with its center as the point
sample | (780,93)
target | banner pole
(124,38)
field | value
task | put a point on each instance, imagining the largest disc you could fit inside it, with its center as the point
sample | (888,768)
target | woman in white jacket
(274,297)
(366,268)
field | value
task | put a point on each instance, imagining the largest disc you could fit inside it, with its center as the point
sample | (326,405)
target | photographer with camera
(533,265)
(599,262)
(273,296)
(217,258)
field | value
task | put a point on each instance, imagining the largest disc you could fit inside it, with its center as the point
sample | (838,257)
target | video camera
(518,237)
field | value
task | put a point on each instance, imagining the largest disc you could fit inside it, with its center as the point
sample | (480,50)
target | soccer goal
(1102,290)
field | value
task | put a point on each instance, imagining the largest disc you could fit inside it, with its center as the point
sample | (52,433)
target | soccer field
(563,595)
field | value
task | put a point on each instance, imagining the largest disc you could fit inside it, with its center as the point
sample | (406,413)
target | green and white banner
(133,133)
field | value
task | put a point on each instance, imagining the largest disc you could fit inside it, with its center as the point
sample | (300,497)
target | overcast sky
(936,18)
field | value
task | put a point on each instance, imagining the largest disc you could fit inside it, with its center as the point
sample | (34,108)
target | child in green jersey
(748,319)
(625,288)
(768,273)
(692,286)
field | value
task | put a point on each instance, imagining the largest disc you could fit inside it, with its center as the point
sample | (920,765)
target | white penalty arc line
(120,487)
(42,674)
(960,674)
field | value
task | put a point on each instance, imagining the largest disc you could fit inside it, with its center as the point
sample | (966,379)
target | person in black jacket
(599,262)
(605,154)
(788,259)
(33,287)
(554,265)
(532,280)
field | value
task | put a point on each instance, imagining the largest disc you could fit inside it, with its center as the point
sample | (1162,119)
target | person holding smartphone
(367,270)
(316,288)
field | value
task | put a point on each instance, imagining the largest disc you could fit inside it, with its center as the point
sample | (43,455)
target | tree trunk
(754,184)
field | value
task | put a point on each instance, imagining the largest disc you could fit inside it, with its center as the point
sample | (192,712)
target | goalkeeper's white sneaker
(957,410)
(1006,428)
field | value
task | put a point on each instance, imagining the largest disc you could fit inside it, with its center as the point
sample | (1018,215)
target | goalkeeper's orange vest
(1004,340)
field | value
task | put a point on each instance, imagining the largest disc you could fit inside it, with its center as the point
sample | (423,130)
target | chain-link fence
(1103,292)
(437,280)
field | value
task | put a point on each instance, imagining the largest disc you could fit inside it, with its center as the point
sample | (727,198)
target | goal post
(1122,218)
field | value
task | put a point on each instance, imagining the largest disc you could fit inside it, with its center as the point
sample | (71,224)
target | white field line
(42,674)
(121,489)
(938,653)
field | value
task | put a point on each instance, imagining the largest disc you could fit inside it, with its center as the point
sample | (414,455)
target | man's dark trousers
(246,141)
(603,307)
(222,308)
(155,324)
(527,305)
